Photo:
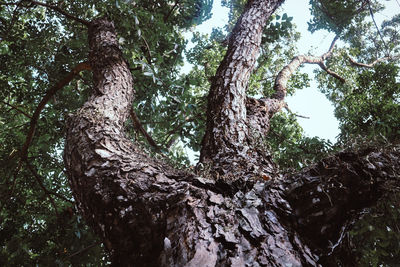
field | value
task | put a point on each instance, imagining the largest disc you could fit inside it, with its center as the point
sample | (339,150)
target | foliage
(291,149)
(336,15)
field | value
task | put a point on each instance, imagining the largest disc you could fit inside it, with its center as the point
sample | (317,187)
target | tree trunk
(232,137)
(150,214)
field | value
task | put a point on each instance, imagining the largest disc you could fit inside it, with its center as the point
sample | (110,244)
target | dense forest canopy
(46,76)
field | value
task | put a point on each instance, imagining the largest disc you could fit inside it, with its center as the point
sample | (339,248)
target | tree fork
(149,214)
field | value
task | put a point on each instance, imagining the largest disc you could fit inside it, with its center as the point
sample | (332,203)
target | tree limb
(32,125)
(47,192)
(227,131)
(17,109)
(376,25)
(371,65)
(139,127)
(23,153)
(284,75)
(329,195)
(59,10)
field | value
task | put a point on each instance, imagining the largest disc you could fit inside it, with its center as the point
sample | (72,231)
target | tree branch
(139,127)
(170,12)
(297,115)
(227,129)
(84,249)
(55,8)
(23,153)
(48,192)
(59,10)
(329,195)
(371,65)
(285,74)
(32,126)
(376,25)
(17,109)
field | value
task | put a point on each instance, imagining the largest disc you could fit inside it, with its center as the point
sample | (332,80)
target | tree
(236,208)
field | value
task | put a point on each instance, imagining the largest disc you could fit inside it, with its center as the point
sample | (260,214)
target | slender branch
(17,109)
(55,8)
(80,67)
(297,115)
(139,127)
(376,25)
(48,192)
(371,65)
(59,10)
(24,150)
(170,12)
(84,249)
(148,49)
(332,73)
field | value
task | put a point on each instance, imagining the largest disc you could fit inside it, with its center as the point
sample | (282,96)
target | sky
(309,101)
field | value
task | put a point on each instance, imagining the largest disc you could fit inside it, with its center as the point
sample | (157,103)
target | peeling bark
(149,214)
(327,197)
(228,144)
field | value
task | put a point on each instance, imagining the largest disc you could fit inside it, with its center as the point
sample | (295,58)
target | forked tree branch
(285,74)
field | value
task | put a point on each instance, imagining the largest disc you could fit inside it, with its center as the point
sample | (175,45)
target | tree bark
(149,214)
(232,132)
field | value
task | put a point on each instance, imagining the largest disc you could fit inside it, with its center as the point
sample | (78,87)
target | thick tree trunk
(149,214)
(146,212)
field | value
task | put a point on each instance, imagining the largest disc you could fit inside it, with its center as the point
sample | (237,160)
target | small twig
(376,25)
(138,126)
(48,192)
(84,249)
(291,112)
(17,109)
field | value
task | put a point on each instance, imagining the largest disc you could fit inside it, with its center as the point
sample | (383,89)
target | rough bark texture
(149,214)
(229,144)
